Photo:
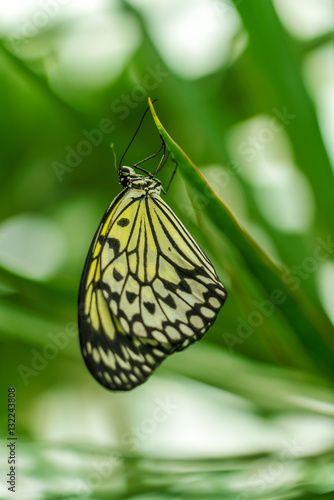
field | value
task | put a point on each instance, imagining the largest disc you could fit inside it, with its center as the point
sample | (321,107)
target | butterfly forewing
(147,289)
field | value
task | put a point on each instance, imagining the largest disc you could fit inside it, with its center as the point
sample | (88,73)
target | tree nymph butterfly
(147,289)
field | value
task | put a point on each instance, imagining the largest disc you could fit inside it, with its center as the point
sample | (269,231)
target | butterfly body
(147,288)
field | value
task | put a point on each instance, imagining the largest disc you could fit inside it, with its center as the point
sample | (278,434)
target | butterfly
(147,289)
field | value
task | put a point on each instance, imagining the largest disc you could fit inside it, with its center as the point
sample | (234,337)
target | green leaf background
(247,413)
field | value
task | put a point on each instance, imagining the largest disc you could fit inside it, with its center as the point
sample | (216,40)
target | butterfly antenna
(175,169)
(164,157)
(136,132)
(115,158)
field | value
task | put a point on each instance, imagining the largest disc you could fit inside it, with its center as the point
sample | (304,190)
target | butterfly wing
(147,290)
(185,271)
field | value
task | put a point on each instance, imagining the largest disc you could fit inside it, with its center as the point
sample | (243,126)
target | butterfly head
(125,174)
(129,178)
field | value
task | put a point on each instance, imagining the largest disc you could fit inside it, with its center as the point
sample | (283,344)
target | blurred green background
(246,89)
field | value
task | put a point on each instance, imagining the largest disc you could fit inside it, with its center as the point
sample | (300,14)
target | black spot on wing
(183,285)
(150,307)
(117,275)
(123,222)
(169,301)
(130,296)
(114,244)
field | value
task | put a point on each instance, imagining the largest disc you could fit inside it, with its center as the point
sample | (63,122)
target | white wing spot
(139,329)
(96,355)
(136,357)
(214,302)
(150,359)
(124,377)
(159,288)
(125,325)
(125,352)
(104,356)
(114,307)
(157,352)
(160,337)
(173,333)
(112,360)
(208,313)
(122,363)
(186,330)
